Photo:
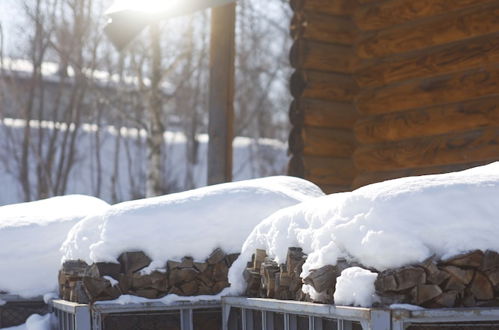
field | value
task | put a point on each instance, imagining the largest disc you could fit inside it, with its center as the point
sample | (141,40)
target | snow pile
(385,225)
(37,322)
(355,287)
(191,223)
(31,235)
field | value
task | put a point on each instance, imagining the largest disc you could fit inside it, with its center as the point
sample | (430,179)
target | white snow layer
(385,225)
(31,235)
(355,286)
(191,223)
(37,322)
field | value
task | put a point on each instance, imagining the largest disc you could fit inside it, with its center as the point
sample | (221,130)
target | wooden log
(427,33)
(440,119)
(296,167)
(260,256)
(322,279)
(490,261)
(444,59)
(452,88)
(132,262)
(216,256)
(391,13)
(366,178)
(423,293)
(327,142)
(323,86)
(463,275)
(317,113)
(481,288)
(335,188)
(330,7)
(447,299)
(478,145)
(324,28)
(471,259)
(323,170)
(312,55)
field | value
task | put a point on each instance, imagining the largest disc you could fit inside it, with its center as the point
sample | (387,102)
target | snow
(385,225)
(31,235)
(37,322)
(191,223)
(407,307)
(355,286)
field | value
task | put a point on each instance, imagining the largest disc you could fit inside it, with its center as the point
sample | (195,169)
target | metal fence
(16,310)
(181,315)
(241,313)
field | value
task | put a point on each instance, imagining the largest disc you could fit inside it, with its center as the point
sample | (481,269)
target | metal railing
(14,310)
(240,313)
(106,316)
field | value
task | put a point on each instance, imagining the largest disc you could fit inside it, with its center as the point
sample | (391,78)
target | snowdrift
(192,223)
(31,235)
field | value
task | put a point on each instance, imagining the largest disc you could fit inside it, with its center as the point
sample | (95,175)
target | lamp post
(125,24)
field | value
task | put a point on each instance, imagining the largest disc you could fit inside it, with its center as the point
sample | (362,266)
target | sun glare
(149,6)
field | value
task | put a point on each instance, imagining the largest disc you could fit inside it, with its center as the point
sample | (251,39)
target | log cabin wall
(393,88)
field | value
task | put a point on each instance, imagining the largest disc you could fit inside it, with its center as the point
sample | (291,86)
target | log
(216,256)
(317,113)
(423,293)
(426,33)
(326,170)
(447,299)
(481,288)
(452,88)
(479,145)
(323,28)
(391,13)
(440,119)
(327,142)
(323,86)
(312,55)
(335,188)
(463,275)
(472,259)
(444,59)
(322,279)
(330,7)
(490,261)
(132,262)
(260,256)
(366,178)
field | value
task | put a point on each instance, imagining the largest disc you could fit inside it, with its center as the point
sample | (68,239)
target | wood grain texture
(330,7)
(311,55)
(366,178)
(420,93)
(423,34)
(323,86)
(389,13)
(328,170)
(430,121)
(460,148)
(322,27)
(317,113)
(327,142)
(440,60)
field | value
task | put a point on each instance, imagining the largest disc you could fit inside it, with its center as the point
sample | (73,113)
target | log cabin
(391,88)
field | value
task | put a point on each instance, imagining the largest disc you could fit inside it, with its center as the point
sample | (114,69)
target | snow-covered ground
(384,225)
(113,166)
(31,235)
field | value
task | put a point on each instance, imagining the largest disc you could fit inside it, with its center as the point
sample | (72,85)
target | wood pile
(83,283)
(467,280)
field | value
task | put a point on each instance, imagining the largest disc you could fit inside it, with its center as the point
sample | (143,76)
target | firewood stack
(83,283)
(466,280)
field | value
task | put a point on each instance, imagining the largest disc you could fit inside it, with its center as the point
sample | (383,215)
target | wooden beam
(330,7)
(322,27)
(325,142)
(437,31)
(451,88)
(312,55)
(437,120)
(221,100)
(323,86)
(458,148)
(459,56)
(329,170)
(317,113)
(389,13)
